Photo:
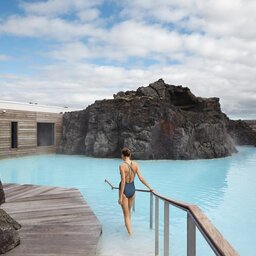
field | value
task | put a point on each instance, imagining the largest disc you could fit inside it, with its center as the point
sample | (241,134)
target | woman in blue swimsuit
(128,170)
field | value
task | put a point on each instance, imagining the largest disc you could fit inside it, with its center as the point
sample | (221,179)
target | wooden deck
(55,221)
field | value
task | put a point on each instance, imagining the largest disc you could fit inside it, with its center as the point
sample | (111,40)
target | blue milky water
(223,188)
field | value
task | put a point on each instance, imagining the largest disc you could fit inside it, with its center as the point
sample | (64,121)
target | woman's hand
(120,201)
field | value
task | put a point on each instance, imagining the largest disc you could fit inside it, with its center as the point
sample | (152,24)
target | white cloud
(225,19)
(58,7)
(229,18)
(164,11)
(125,40)
(71,52)
(89,15)
(135,39)
(45,28)
(213,41)
(138,39)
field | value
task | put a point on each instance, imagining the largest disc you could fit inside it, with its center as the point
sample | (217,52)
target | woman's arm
(142,179)
(121,191)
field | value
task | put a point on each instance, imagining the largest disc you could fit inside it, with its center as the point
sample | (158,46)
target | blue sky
(73,52)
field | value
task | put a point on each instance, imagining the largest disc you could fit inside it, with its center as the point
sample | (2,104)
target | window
(45,134)
(14,130)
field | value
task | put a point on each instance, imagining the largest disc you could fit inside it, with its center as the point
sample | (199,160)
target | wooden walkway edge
(55,221)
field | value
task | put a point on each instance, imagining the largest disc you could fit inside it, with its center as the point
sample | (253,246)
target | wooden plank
(55,221)
(4,140)
(211,234)
(27,132)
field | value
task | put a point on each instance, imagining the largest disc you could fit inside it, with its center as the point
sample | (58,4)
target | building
(29,128)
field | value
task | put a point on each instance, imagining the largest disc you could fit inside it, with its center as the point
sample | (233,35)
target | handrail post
(166,228)
(133,205)
(191,236)
(156,226)
(195,219)
(151,211)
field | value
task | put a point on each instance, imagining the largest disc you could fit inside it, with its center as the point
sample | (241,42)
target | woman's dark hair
(126,152)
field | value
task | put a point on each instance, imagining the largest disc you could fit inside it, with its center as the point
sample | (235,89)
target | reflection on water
(223,188)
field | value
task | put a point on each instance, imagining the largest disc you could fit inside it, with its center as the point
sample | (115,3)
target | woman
(128,170)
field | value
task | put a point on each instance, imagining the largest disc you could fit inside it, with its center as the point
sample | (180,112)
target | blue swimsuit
(129,188)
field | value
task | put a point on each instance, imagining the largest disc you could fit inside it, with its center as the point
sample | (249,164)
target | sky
(73,52)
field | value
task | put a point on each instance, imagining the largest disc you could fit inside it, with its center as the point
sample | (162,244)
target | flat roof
(33,107)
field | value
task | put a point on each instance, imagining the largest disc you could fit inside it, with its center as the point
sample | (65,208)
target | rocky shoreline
(9,237)
(242,132)
(160,121)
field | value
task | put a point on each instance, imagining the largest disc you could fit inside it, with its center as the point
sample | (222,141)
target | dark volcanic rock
(73,133)
(2,196)
(251,123)
(242,133)
(9,237)
(159,121)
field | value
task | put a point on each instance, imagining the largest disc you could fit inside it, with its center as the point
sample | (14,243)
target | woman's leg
(126,212)
(130,204)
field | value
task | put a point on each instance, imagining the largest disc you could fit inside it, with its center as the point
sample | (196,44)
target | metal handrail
(195,218)
(113,187)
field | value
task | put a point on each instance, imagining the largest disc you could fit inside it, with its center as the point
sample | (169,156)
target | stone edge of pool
(55,220)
